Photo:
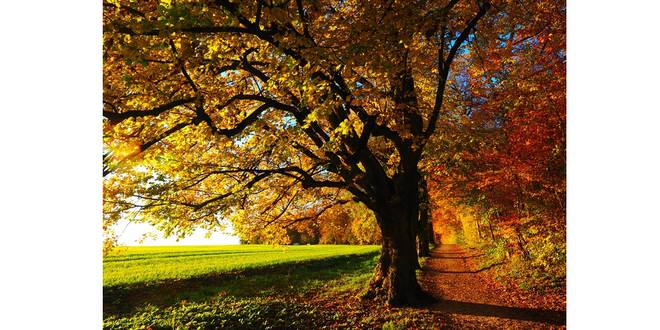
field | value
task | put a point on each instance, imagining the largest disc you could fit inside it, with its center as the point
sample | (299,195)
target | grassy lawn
(131,266)
(302,287)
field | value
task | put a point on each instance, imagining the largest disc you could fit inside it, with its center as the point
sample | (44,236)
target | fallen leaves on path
(472,297)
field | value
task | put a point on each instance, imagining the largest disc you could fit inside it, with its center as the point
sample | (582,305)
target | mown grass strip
(137,266)
(335,274)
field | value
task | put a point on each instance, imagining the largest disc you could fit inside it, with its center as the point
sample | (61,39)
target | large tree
(269,113)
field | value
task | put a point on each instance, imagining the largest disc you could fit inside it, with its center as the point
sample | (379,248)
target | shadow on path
(450,274)
(465,257)
(435,270)
(516,313)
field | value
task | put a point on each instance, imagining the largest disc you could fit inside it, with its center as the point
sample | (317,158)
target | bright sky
(129,233)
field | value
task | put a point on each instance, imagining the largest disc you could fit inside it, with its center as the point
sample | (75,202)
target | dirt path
(450,275)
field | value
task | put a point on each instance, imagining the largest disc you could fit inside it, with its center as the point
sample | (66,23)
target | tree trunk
(432,233)
(521,244)
(397,207)
(423,225)
(395,277)
(476,220)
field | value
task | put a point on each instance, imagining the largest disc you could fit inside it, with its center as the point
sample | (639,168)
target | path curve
(450,275)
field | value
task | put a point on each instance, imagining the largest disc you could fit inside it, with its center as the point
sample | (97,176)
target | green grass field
(248,287)
(128,266)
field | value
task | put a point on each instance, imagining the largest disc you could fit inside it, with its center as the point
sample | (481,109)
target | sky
(129,233)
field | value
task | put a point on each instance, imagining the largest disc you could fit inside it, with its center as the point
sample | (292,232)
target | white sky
(129,233)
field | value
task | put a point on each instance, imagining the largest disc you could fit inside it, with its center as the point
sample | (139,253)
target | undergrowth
(545,267)
(225,313)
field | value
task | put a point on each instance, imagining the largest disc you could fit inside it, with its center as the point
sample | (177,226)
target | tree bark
(476,221)
(423,225)
(521,244)
(395,277)
(431,233)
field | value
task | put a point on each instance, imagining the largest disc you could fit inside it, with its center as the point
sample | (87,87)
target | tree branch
(116,117)
(446,64)
(317,214)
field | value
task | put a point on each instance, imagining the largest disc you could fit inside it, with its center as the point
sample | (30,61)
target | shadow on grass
(345,272)
(516,313)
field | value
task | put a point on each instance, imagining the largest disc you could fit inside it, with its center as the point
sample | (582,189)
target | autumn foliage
(297,120)
(498,170)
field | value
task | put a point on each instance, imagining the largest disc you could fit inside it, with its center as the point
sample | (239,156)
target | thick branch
(446,64)
(116,117)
